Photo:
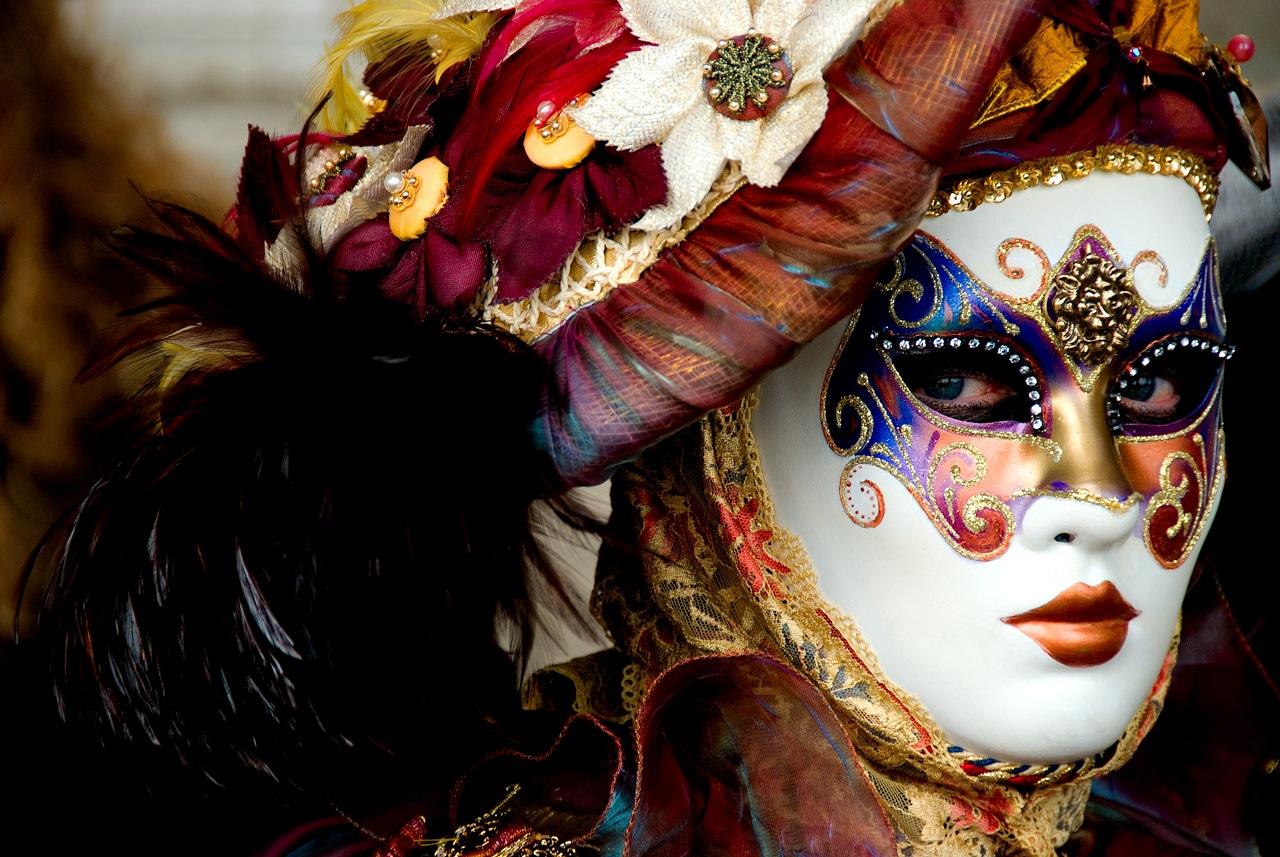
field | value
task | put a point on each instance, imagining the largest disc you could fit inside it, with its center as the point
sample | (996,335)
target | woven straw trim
(599,265)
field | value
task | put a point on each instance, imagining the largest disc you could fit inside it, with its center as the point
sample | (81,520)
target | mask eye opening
(1016,370)
(1155,357)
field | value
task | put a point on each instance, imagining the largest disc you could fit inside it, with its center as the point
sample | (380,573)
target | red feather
(568,49)
(268,196)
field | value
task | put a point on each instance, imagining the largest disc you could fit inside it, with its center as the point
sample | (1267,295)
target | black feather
(294,574)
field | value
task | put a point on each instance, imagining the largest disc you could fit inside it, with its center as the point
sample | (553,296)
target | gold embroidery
(484,835)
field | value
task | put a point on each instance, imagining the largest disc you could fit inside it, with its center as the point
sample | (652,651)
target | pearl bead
(1241,47)
(329,165)
(394,183)
(545,111)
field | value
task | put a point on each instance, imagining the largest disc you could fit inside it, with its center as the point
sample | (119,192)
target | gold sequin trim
(968,194)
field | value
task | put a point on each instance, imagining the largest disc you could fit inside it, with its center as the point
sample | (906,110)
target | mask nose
(1088,527)
(1089,461)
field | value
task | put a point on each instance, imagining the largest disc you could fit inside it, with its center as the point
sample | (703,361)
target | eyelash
(895,346)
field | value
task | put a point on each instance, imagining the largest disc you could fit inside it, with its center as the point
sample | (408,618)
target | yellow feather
(155,371)
(377,29)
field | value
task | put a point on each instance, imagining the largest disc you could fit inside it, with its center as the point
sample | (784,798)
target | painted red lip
(1083,626)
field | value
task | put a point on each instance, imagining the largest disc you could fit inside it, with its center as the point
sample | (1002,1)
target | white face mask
(1002,469)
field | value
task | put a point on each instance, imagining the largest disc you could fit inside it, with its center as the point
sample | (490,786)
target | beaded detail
(968,194)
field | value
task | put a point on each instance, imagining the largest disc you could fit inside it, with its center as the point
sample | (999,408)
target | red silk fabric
(773,267)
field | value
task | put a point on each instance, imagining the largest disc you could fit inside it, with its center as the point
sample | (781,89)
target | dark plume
(293,578)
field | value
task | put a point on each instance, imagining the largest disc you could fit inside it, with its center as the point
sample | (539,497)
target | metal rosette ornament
(747,76)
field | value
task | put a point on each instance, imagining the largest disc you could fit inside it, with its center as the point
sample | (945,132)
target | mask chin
(1042,646)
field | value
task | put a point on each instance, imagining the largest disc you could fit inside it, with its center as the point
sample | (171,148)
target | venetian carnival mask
(1002,467)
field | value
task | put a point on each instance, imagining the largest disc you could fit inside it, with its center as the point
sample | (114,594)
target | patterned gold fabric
(1056,52)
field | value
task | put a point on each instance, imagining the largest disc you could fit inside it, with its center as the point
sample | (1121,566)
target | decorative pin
(554,141)
(746,77)
(417,194)
(1241,47)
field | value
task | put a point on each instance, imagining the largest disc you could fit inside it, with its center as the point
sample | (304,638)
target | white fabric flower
(655,94)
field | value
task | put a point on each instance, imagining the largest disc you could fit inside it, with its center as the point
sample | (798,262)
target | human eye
(1151,398)
(961,393)
(1167,382)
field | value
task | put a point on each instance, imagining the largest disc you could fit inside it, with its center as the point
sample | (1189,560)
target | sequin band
(968,194)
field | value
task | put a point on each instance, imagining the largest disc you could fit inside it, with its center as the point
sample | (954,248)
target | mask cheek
(962,482)
(1180,478)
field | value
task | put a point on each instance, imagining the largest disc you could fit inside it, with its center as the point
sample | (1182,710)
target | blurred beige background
(209,69)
